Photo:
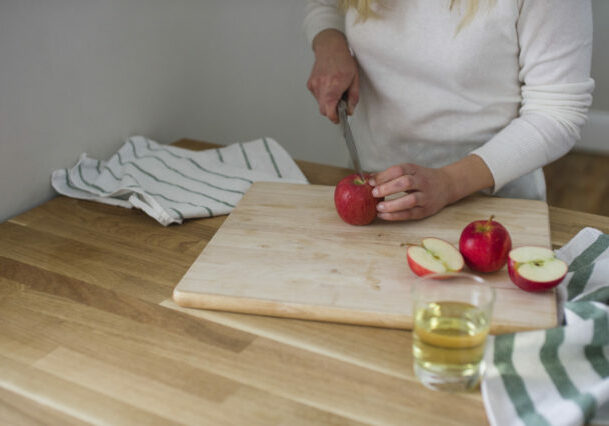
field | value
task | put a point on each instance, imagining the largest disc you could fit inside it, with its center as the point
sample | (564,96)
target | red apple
(485,245)
(354,201)
(434,256)
(535,268)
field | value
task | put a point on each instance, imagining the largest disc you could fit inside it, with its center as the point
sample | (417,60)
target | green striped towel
(558,376)
(171,184)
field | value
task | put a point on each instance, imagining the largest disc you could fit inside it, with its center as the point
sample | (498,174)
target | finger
(395,171)
(322,109)
(404,202)
(401,183)
(387,175)
(370,178)
(411,214)
(328,111)
(311,85)
(332,112)
(330,105)
(315,84)
(314,89)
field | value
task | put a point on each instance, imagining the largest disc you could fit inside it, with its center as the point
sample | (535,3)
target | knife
(344,124)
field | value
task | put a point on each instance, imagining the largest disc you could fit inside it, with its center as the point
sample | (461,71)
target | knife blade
(344,124)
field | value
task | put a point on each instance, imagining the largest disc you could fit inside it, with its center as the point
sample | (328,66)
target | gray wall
(81,75)
(600,58)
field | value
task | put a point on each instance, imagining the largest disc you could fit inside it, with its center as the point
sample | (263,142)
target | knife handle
(341,108)
(345,99)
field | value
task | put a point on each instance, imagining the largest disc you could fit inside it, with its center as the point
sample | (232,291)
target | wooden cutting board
(284,251)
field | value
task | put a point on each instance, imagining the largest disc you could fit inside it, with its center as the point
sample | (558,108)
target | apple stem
(490,219)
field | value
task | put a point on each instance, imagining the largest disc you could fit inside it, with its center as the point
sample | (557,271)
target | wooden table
(88,333)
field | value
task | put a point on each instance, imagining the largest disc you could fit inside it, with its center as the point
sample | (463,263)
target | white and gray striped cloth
(171,184)
(558,376)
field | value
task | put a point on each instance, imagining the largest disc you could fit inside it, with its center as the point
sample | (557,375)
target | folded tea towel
(558,376)
(171,184)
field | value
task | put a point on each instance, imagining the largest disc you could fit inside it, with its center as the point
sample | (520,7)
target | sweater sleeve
(322,15)
(555,39)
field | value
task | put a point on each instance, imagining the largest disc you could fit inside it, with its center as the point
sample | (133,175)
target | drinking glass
(452,317)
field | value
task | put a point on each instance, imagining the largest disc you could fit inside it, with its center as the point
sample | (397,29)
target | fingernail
(380,207)
(375,192)
(371,181)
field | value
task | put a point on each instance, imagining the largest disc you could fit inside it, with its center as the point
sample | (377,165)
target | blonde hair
(364,9)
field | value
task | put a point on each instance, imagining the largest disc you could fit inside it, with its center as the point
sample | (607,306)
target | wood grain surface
(285,252)
(89,334)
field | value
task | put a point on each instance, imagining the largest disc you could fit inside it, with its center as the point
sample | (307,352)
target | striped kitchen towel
(171,184)
(558,376)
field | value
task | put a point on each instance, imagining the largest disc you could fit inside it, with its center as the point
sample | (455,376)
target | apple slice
(434,256)
(535,268)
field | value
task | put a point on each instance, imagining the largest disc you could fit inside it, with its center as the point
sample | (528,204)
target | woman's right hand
(334,73)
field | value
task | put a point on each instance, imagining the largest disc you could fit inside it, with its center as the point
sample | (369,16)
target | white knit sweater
(513,86)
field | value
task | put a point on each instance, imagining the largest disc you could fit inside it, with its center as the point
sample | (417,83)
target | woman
(454,97)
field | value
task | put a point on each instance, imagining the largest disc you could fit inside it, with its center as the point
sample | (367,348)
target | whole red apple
(354,201)
(485,245)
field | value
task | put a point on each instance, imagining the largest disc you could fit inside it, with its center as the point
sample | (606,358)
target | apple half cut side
(535,269)
(434,256)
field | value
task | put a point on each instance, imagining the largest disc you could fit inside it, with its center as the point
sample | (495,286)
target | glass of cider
(452,317)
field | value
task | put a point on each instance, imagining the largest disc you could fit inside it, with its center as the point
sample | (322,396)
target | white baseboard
(595,133)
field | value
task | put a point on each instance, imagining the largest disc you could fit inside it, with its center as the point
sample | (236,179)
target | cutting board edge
(272,308)
(253,306)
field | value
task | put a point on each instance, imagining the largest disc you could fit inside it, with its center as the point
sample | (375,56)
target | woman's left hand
(426,191)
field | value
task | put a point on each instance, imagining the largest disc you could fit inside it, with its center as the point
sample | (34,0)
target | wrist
(466,176)
(330,42)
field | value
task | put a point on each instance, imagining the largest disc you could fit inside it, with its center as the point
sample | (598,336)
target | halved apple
(535,268)
(434,256)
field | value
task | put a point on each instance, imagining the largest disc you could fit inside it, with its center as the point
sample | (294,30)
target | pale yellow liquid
(449,338)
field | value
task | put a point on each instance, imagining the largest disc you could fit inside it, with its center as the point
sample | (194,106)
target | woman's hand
(334,73)
(427,190)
